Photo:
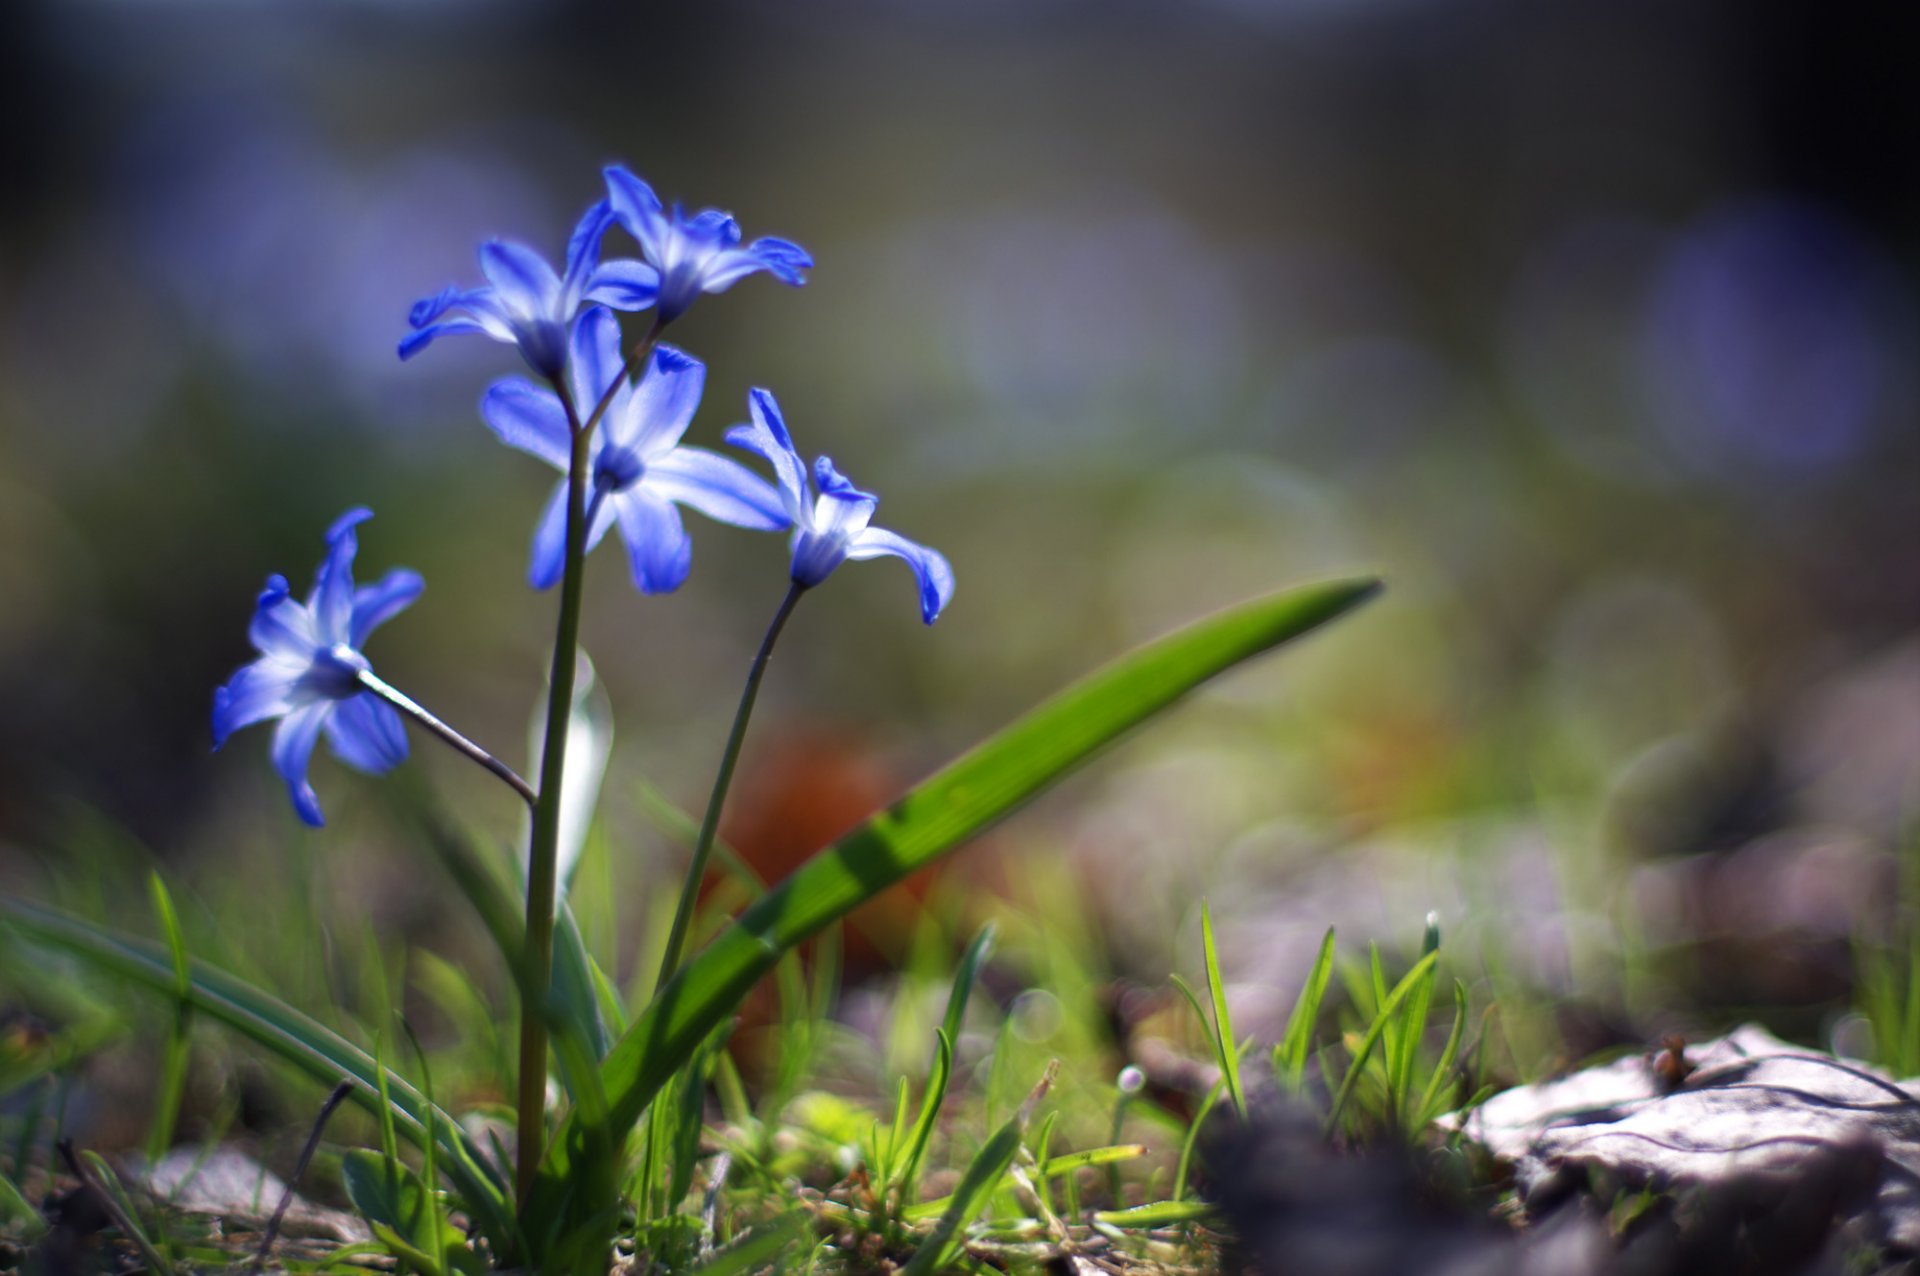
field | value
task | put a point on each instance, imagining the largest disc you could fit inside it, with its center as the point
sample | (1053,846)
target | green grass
(963,1139)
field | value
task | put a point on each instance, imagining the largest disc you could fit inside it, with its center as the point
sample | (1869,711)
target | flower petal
(583,247)
(783,260)
(550,541)
(721,488)
(293,742)
(711,227)
(597,361)
(332,599)
(525,416)
(415,342)
(523,283)
(367,734)
(427,309)
(281,626)
(843,510)
(374,605)
(664,402)
(768,437)
(658,548)
(931,566)
(624,284)
(638,209)
(261,690)
(832,482)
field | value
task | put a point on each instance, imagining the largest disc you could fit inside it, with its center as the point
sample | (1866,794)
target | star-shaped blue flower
(640,468)
(834,527)
(525,304)
(309,668)
(696,254)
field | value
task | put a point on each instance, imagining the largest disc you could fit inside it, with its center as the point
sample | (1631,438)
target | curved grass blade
(315,1049)
(963,978)
(972,793)
(178,1052)
(977,1185)
(930,1101)
(1385,1017)
(1222,1023)
(1158,1214)
(1290,1056)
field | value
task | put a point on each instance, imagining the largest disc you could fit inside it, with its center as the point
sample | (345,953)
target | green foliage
(653,1075)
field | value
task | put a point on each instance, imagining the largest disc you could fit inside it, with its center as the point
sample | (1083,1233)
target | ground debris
(1748,1154)
(1300,1204)
(232,1186)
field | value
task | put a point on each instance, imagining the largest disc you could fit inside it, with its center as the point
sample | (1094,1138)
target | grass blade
(1223,1039)
(1290,1058)
(178,1051)
(963,976)
(989,1165)
(1158,1214)
(930,1101)
(315,1049)
(1382,1020)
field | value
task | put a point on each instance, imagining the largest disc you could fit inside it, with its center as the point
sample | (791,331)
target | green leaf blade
(971,794)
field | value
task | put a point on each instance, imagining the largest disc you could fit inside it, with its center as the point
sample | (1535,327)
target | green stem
(543,849)
(460,744)
(703,845)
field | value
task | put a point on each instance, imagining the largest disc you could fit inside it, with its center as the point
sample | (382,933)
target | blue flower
(640,471)
(834,527)
(309,668)
(696,254)
(525,304)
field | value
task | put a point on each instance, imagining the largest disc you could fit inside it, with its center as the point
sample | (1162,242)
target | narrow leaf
(969,795)
(1222,1022)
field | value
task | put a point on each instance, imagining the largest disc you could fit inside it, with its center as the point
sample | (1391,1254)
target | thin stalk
(543,848)
(407,705)
(709,825)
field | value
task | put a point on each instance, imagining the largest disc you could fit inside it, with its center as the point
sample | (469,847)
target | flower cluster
(612,422)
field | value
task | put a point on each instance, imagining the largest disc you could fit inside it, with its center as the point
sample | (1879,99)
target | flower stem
(407,705)
(703,845)
(543,849)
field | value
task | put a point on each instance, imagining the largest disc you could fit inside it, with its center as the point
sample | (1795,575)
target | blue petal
(768,437)
(638,209)
(366,734)
(281,626)
(624,284)
(332,599)
(583,248)
(524,416)
(427,309)
(664,402)
(262,690)
(783,260)
(833,483)
(935,573)
(414,342)
(658,548)
(347,522)
(374,605)
(293,742)
(720,488)
(711,225)
(597,362)
(725,269)
(522,281)
(550,541)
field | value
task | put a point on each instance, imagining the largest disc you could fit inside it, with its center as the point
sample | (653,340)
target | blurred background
(1591,326)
